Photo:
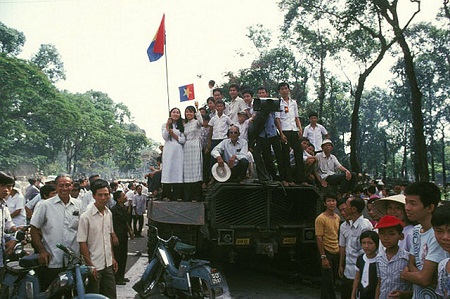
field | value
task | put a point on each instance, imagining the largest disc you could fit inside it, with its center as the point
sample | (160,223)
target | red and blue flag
(186,92)
(156,49)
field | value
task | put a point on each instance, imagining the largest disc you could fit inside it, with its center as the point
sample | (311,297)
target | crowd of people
(385,246)
(264,145)
(93,217)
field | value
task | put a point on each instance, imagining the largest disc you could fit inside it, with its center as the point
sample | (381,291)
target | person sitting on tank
(328,168)
(234,151)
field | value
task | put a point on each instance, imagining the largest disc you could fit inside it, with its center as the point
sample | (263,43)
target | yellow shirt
(328,228)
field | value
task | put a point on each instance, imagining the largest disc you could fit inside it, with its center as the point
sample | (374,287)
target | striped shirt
(388,272)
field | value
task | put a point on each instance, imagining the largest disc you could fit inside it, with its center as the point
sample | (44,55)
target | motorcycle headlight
(18,250)
(63,279)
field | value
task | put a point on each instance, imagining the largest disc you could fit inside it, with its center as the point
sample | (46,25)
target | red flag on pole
(156,49)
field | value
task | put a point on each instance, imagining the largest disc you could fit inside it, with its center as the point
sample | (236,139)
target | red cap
(388,221)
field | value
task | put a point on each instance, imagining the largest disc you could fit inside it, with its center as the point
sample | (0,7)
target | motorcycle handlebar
(65,249)
(168,241)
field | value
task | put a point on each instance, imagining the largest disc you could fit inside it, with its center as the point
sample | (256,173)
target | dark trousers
(206,167)
(265,167)
(339,179)
(121,254)
(138,223)
(293,141)
(239,171)
(329,276)
(346,288)
(213,160)
(192,191)
(105,283)
(173,191)
(156,182)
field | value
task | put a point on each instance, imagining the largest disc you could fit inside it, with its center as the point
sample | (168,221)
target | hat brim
(221,174)
(380,205)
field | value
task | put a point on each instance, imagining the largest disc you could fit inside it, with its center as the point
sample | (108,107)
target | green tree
(49,61)
(11,40)
(24,91)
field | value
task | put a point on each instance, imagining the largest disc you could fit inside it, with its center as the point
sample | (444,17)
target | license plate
(242,241)
(216,278)
(289,240)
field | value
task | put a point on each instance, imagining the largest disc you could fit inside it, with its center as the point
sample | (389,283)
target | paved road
(244,282)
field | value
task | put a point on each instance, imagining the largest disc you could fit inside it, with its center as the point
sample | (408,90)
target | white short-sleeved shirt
(14,203)
(314,135)
(288,115)
(95,229)
(58,223)
(220,126)
(5,224)
(32,203)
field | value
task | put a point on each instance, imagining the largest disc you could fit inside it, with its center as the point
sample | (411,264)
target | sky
(103,45)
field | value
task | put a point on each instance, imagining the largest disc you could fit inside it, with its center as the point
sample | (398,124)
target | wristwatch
(323,256)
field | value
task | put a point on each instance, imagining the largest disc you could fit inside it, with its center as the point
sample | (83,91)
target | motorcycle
(22,282)
(193,278)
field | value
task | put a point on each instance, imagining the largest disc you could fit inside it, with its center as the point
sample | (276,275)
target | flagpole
(167,72)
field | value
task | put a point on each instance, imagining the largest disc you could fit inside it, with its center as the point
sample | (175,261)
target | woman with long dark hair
(193,162)
(172,158)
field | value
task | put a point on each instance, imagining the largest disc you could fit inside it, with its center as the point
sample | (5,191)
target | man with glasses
(54,221)
(234,151)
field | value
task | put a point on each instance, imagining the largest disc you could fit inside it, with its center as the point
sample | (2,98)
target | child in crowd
(211,107)
(204,133)
(243,124)
(365,282)
(422,198)
(391,260)
(441,226)
(395,206)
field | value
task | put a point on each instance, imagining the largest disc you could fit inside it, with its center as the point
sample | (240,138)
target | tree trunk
(322,87)
(420,147)
(385,150)
(444,169)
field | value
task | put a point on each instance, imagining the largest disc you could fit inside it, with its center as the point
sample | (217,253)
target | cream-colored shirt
(58,223)
(234,107)
(95,229)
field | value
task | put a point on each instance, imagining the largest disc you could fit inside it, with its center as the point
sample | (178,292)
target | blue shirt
(270,130)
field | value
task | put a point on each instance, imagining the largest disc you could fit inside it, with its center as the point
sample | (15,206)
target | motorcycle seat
(14,268)
(29,261)
(183,248)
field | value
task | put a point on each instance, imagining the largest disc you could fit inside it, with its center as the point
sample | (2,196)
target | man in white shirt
(328,167)
(315,131)
(233,151)
(54,221)
(353,249)
(16,206)
(237,103)
(290,128)
(95,235)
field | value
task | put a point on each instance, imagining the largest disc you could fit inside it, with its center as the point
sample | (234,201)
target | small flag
(187,92)
(156,49)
